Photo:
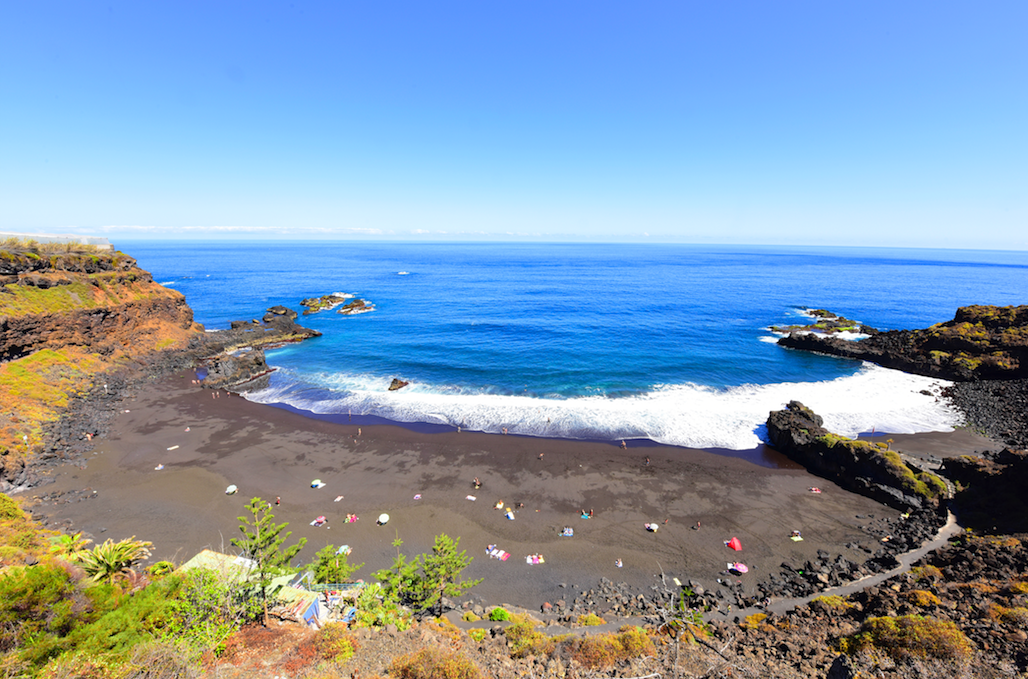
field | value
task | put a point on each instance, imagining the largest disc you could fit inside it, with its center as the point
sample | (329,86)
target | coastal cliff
(980,343)
(78,326)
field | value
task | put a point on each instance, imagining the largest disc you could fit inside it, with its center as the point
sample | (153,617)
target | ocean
(668,343)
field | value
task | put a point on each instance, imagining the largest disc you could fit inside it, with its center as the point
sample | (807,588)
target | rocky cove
(797,643)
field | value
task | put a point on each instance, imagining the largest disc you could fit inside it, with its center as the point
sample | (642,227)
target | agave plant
(70,547)
(113,560)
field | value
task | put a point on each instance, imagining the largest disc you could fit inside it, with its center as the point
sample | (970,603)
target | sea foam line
(683,415)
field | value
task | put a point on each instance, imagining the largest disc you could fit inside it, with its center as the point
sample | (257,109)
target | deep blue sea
(661,342)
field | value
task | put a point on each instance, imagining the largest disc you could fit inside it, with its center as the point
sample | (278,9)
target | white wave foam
(684,415)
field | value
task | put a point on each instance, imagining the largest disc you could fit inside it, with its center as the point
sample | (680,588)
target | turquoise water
(664,342)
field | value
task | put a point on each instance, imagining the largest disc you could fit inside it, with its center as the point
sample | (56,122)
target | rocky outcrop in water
(871,469)
(980,343)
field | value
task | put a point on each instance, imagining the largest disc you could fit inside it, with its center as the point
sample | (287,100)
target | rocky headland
(871,469)
(980,343)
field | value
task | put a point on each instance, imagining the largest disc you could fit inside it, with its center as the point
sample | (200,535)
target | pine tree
(441,572)
(262,542)
(331,567)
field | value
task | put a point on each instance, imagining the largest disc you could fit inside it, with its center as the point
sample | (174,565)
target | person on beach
(590,513)
(278,501)
(478,484)
(647,460)
(624,446)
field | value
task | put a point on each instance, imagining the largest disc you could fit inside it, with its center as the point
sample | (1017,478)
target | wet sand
(269,452)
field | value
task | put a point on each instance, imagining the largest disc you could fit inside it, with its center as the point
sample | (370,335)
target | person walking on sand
(624,446)
(278,501)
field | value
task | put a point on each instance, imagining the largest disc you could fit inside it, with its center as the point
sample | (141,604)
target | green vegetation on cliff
(923,483)
(71,312)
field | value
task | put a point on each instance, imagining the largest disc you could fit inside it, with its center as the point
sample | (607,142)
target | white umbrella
(383,519)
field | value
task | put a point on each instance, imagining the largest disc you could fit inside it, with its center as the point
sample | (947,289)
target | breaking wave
(874,398)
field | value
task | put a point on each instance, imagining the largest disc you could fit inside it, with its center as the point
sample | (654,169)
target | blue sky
(849,123)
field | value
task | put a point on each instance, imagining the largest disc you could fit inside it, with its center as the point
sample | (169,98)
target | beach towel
(317,483)
(567,533)
(510,515)
(472,498)
(796,538)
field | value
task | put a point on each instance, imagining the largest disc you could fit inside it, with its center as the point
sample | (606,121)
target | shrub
(926,573)
(922,598)
(1017,615)
(374,609)
(753,621)
(470,617)
(499,614)
(831,603)
(35,603)
(333,642)
(433,663)
(478,634)
(9,509)
(1018,588)
(591,620)
(524,640)
(604,650)
(910,636)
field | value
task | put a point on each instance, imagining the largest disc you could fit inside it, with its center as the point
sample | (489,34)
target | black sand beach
(271,452)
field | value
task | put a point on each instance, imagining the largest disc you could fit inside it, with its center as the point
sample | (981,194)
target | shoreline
(272,452)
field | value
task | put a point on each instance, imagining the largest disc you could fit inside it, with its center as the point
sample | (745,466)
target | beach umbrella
(383,519)
(231,490)
(321,519)
(739,567)
(734,544)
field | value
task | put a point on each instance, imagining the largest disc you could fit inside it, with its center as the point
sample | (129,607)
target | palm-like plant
(69,546)
(113,560)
